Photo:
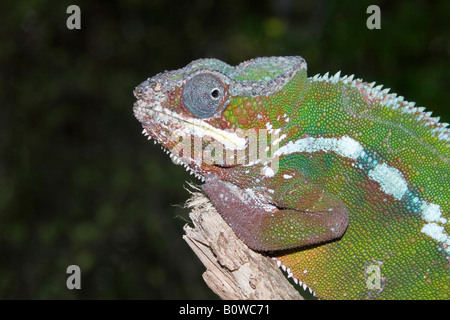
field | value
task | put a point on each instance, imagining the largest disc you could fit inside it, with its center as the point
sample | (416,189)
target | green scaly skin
(361,180)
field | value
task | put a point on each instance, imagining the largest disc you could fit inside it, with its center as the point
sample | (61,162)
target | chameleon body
(343,183)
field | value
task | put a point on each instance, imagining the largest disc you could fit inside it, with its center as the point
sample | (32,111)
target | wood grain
(233,271)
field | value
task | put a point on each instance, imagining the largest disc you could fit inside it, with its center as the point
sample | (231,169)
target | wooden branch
(233,271)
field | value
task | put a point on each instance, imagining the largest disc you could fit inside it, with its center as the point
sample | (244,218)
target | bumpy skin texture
(351,192)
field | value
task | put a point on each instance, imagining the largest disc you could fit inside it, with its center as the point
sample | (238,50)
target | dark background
(80,185)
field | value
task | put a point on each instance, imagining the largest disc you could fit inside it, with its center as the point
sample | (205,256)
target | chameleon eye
(203,95)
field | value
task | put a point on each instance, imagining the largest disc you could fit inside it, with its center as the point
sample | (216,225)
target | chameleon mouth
(150,133)
(291,275)
(182,126)
(166,127)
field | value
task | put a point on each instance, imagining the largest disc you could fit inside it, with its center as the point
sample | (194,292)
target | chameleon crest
(342,182)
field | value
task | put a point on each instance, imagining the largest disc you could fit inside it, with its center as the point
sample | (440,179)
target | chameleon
(342,182)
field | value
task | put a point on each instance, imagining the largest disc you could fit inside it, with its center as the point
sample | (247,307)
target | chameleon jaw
(166,127)
(175,159)
(291,275)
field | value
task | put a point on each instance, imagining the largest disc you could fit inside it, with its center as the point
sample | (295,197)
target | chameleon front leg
(296,215)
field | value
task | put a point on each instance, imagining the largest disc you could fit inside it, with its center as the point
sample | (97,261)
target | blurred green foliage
(80,185)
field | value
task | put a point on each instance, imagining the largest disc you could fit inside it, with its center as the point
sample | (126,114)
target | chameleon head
(198,113)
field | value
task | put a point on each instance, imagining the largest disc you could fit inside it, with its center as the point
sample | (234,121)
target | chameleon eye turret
(203,95)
